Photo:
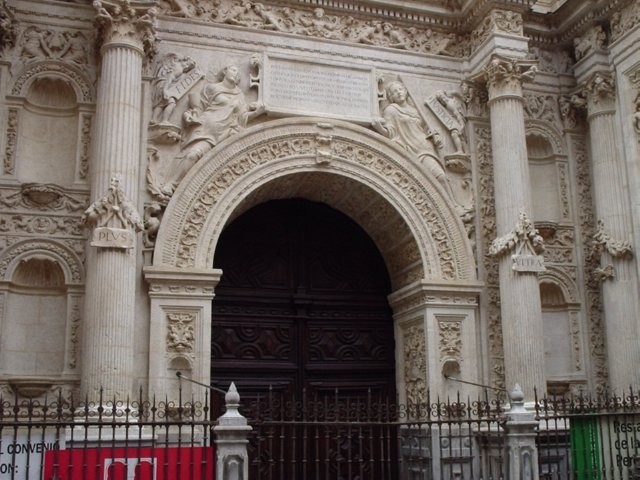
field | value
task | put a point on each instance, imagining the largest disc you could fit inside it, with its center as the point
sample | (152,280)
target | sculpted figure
(319,24)
(169,72)
(404,125)
(237,14)
(76,48)
(33,44)
(217,113)
(396,40)
(270,20)
(454,105)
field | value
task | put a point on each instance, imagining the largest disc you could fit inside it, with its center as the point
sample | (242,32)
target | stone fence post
(522,453)
(232,460)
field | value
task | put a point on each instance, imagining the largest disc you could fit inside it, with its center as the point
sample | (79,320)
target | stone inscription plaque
(107,237)
(309,88)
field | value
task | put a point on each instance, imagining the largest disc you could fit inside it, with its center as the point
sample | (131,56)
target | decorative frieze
(318,23)
(552,61)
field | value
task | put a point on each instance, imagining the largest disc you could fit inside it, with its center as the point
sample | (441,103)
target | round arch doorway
(302,305)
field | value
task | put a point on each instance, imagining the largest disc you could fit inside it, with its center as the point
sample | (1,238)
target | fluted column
(612,239)
(108,330)
(517,244)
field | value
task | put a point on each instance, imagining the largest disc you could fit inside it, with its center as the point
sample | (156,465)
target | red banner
(132,463)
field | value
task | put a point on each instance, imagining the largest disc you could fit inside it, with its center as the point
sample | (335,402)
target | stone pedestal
(232,459)
(522,453)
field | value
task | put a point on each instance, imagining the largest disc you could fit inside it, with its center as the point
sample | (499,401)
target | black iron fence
(140,439)
(589,438)
(341,437)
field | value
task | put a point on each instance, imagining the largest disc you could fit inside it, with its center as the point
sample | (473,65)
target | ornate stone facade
(462,137)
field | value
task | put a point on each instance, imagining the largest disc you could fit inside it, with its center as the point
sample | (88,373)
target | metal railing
(589,437)
(340,436)
(141,439)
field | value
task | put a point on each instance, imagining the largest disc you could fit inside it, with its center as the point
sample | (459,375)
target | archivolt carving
(75,77)
(563,280)
(68,261)
(548,133)
(239,166)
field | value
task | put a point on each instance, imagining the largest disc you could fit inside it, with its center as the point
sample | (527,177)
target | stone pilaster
(519,292)
(612,239)
(125,30)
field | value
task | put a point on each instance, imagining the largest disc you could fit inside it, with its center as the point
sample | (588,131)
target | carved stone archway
(354,170)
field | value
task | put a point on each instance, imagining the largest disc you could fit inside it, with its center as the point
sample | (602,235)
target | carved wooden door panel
(301,305)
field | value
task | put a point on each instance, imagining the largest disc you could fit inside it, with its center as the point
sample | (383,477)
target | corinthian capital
(600,92)
(126,22)
(505,75)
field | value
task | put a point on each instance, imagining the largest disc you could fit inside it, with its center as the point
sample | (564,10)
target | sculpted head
(396,92)
(231,74)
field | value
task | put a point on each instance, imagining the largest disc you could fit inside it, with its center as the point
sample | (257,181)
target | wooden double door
(302,306)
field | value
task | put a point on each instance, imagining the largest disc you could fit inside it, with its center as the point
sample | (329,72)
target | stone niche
(39,323)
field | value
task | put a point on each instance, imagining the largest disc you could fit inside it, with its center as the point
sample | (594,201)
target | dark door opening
(302,325)
(302,305)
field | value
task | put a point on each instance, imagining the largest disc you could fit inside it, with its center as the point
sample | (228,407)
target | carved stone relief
(415,364)
(625,20)
(50,44)
(594,39)
(604,243)
(450,345)
(218,111)
(540,107)
(7,27)
(180,332)
(475,98)
(74,320)
(498,21)
(488,230)
(320,24)
(406,125)
(560,247)
(526,243)
(636,116)
(552,61)
(593,298)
